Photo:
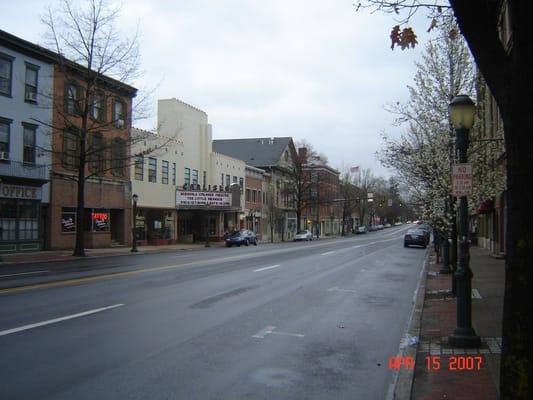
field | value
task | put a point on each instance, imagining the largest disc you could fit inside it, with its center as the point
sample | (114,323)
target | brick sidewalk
(439,321)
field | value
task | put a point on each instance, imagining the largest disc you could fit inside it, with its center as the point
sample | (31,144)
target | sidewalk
(66,255)
(479,378)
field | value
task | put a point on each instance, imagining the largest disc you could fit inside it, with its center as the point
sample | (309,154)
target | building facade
(107,210)
(26,89)
(276,157)
(186,192)
(254,199)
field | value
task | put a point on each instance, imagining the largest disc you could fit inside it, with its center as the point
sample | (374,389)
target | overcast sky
(310,69)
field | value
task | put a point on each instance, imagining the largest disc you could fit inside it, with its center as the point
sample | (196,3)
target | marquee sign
(197,198)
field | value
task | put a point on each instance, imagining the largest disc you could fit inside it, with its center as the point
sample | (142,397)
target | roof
(257,152)
(30,49)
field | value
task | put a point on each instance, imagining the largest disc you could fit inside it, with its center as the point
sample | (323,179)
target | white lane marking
(327,252)
(355,247)
(24,273)
(288,334)
(476,294)
(56,320)
(336,289)
(263,332)
(265,268)
(272,330)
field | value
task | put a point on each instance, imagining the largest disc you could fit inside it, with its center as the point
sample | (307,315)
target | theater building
(185,190)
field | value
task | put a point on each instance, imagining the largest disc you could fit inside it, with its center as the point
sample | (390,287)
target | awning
(486,207)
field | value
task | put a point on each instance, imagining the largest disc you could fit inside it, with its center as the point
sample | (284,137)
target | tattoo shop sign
(197,198)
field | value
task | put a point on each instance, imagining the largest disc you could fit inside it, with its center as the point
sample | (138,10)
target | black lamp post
(134,228)
(462,111)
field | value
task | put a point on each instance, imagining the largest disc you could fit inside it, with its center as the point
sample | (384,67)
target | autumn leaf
(408,38)
(395,36)
(453,34)
(432,25)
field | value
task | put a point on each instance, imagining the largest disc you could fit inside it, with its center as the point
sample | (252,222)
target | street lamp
(462,111)
(133,229)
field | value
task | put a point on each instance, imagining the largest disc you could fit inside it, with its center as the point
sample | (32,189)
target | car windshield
(301,232)
(236,234)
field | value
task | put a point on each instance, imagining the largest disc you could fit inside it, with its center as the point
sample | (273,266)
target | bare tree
(95,63)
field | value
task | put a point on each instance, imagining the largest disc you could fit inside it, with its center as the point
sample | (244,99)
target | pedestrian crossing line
(327,253)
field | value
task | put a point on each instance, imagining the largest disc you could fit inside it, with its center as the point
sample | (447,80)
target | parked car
(361,229)
(244,236)
(303,235)
(427,231)
(372,228)
(388,225)
(415,236)
(398,223)
(379,227)
(408,222)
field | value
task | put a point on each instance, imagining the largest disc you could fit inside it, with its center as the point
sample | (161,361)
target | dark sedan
(243,236)
(415,237)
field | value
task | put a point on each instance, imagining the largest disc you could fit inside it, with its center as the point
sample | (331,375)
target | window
(118,156)
(259,196)
(174,174)
(6,69)
(29,143)
(139,168)
(68,220)
(204,180)
(30,87)
(95,153)
(119,113)
(195,177)
(254,196)
(164,172)
(152,169)
(247,194)
(72,97)
(221,180)
(98,106)
(227,180)
(98,220)
(5,125)
(187,177)
(235,179)
(241,183)
(70,149)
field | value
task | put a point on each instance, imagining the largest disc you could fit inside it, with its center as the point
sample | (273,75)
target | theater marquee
(197,198)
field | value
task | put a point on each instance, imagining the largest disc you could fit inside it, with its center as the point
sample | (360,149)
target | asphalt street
(314,320)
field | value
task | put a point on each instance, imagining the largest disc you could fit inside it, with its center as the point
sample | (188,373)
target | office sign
(20,192)
(462,180)
(197,198)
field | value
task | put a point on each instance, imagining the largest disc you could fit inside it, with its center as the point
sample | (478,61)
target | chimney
(302,155)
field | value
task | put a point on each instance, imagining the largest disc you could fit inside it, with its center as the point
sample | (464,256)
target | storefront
(20,217)
(156,226)
(202,213)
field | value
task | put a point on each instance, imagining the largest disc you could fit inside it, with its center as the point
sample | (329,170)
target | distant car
(361,229)
(303,235)
(379,227)
(416,237)
(373,228)
(398,223)
(388,225)
(408,222)
(243,236)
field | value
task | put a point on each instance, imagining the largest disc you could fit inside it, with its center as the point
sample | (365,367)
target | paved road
(291,321)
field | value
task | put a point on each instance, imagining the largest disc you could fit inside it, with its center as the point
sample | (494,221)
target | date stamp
(437,363)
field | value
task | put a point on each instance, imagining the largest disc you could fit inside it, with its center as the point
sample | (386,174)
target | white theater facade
(185,190)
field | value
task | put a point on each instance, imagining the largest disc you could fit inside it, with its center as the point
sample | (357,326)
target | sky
(313,70)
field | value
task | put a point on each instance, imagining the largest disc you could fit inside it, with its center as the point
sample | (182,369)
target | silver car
(303,235)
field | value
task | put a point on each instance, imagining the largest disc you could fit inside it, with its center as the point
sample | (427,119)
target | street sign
(462,180)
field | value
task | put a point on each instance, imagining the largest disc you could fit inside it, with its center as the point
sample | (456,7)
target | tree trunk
(79,249)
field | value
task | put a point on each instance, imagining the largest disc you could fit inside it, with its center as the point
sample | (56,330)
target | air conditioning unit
(31,96)
(120,123)
(4,155)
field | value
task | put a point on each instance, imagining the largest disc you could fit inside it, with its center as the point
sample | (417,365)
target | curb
(403,381)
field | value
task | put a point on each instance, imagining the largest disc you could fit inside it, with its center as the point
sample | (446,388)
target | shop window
(118,156)
(98,106)
(70,149)
(8,219)
(98,220)
(68,220)
(6,74)
(152,169)
(164,172)
(30,83)
(139,168)
(19,220)
(195,177)
(5,126)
